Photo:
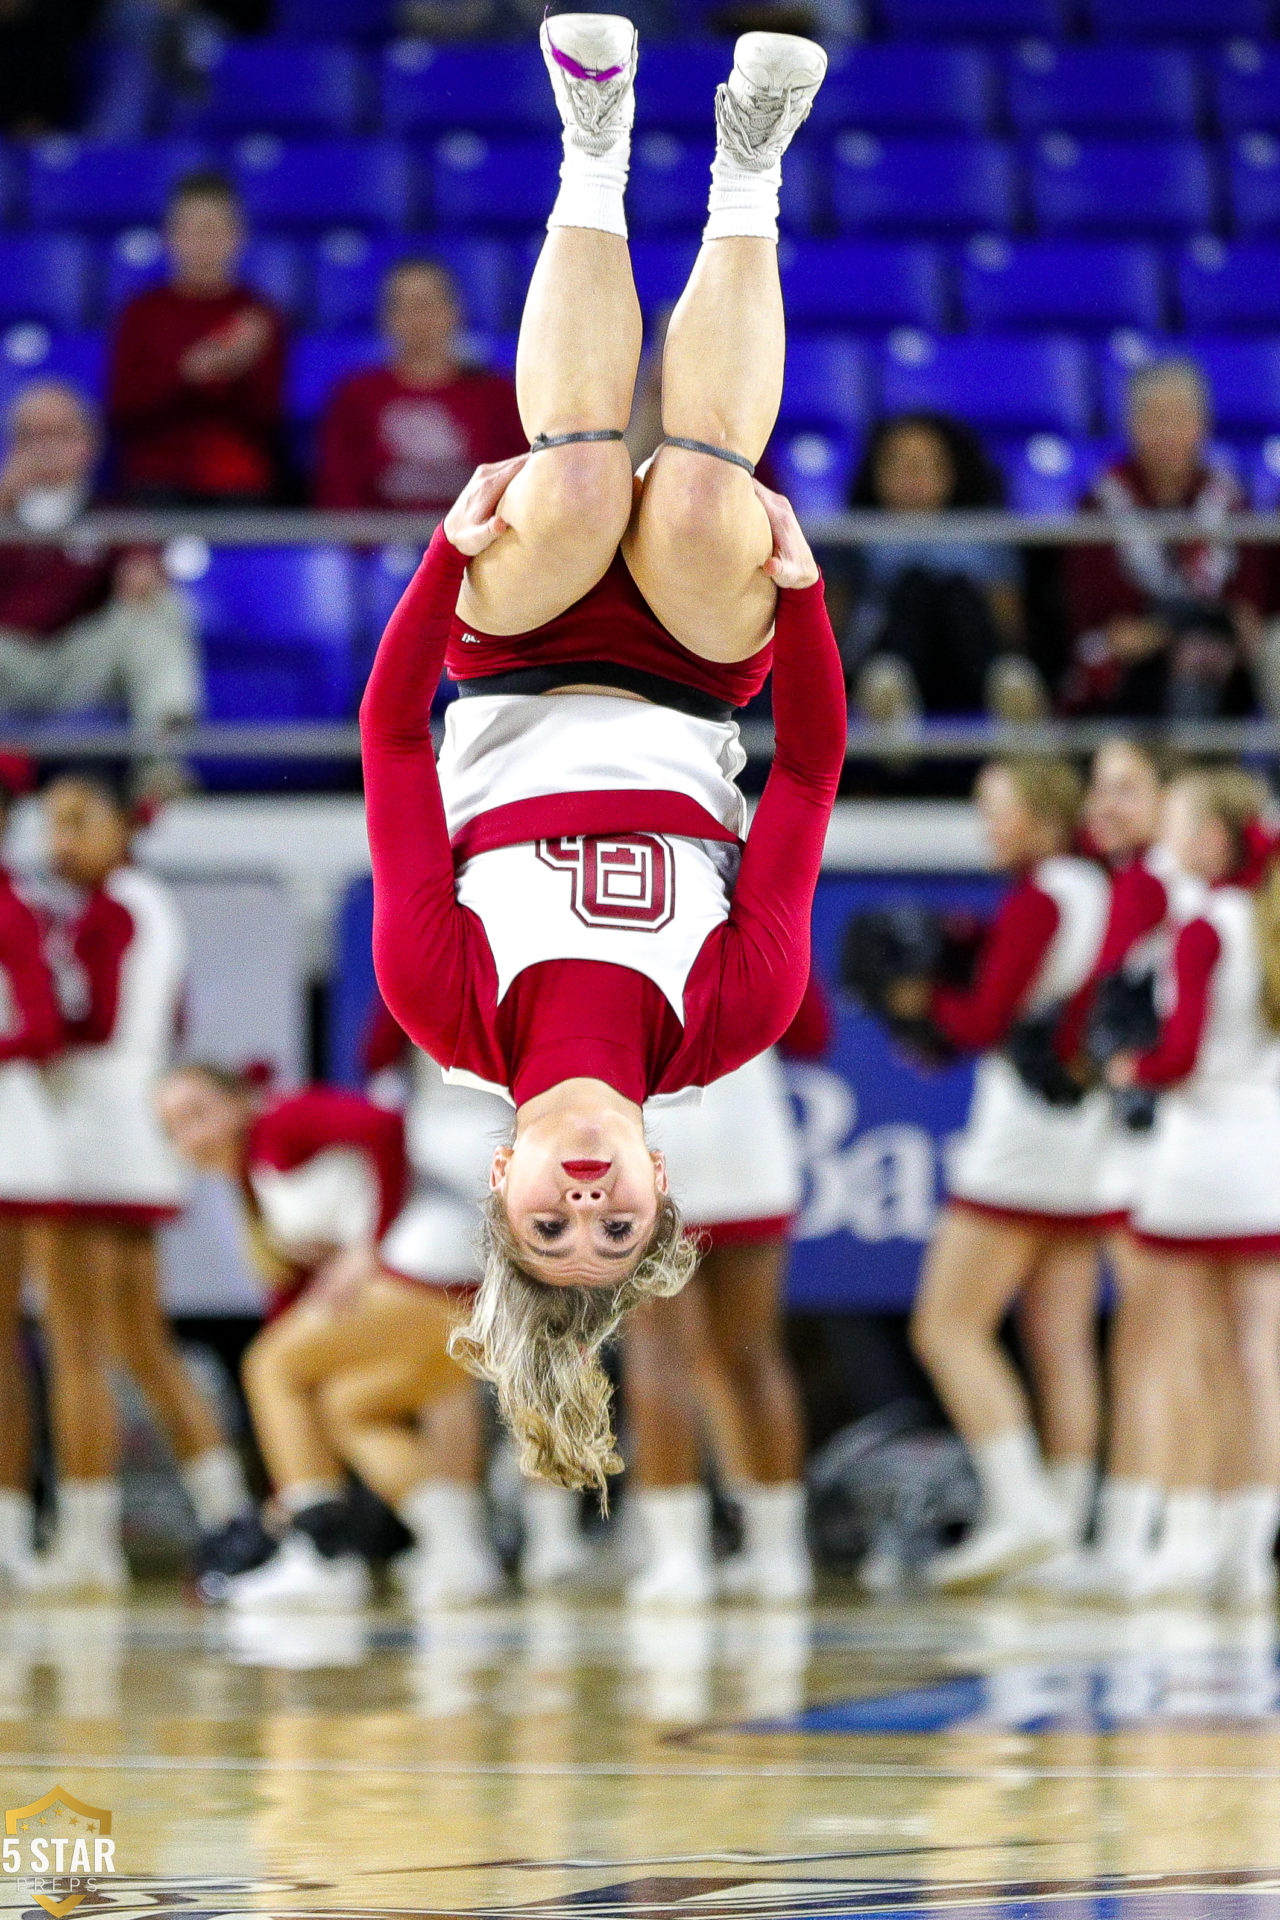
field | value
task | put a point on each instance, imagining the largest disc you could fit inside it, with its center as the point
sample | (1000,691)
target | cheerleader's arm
(1174,1055)
(978,1018)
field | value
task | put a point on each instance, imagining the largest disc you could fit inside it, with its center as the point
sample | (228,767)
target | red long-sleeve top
(566,1018)
(1138,905)
(213,437)
(978,1017)
(33,1030)
(1195,955)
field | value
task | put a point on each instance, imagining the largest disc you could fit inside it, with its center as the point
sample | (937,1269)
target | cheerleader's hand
(473,521)
(791,564)
(1122,1071)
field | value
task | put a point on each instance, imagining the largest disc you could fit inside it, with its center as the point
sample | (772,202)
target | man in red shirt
(81,624)
(410,434)
(1165,629)
(198,365)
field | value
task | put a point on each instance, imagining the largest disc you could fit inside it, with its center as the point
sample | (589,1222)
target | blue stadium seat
(324,183)
(1103,89)
(30,351)
(489,89)
(1262,474)
(678,90)
(1160,185)
(333,19)
(1228,284)
(814,469)
(827,383)
(273,265)
(1246,86)
(45,276)
(1044,473)
(670,177)
(975,19)
(277,630)
(251,86)
(83,184)
(1005,386)
(870,285)
(1178,19)
(1086,285)
(1244,377)
(1255,182)
(893,87)
(318,361)
(661,268)
(479,183)
(350,266)
(922,185)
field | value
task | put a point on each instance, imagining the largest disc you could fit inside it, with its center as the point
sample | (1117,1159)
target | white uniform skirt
(1212,1180)
(1020,1157)
(734,1160)
(116,1160)
(30,1160)
(433,1241)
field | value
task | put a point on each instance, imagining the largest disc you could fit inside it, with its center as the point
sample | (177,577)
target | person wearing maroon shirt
(81,624)
(197,366)
(1159,629)
(410,434)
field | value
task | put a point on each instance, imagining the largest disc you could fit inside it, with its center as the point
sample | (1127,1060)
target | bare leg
(15,1401)
(1253,1303)
(1154,1362)
(662,1413)
(453,1435)
(1057,1321)
(579,350)
(974,1271)
(78,1329)
(699,536)
(743,1294)
(147,1348)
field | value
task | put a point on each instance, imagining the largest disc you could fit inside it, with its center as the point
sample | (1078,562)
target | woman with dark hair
(937,623)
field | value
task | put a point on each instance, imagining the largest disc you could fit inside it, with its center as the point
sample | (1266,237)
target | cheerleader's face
(205,1123)
(580,1191)
(88,834)
(1016,837)
(1123,808)
(1198,840)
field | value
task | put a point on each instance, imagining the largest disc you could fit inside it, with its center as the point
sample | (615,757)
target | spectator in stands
(1159,629)
(410,434)
(937,623)
(198,365)
(42,63)
(81,624)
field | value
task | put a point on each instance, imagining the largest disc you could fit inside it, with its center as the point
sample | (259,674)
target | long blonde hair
(1050,789)
(1239,800)
(542,1345)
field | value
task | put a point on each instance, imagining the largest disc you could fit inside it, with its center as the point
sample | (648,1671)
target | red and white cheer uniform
(1018,1156)
(1210,1184)
(120,966)
(30,1036)
(571,896)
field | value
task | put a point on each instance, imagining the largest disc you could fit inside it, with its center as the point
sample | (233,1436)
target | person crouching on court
(354,1352)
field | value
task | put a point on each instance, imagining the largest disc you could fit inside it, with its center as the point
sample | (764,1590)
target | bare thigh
(695,546)
(397,1329)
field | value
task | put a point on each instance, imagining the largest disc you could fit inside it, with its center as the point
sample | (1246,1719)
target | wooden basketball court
(991,1759)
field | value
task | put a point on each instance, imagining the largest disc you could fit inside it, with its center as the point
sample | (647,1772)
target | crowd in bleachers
(299,278)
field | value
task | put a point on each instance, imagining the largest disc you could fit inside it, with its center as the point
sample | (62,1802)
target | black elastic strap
(541,441)
(717,453)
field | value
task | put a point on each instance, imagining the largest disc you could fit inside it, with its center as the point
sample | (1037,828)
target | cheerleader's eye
(549,1229)
(618,1230)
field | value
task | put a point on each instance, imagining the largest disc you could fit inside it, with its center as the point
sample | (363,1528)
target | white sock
(1190,1522)
(1012,1477)
(1127,1514)
(1073,1481)
(216,1487)
(742,203)
(89,1518)
(308,1493)
(550,1516)
(676,1522)
(1250,1518)
(446,1518)
(17,1526)
(772,1520)
(592,187)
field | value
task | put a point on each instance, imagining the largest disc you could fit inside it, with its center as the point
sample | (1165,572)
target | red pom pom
(17,774)
(259,1074)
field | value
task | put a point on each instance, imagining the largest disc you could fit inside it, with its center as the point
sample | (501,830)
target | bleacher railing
(929,740)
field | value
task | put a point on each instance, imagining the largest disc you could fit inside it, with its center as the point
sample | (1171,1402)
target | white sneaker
(555,1563)
(774,1580)
(674,1580)
(1245,1586)
(1185,1574)
(591,58)
(300,1576)
(767,96)
(455,1579)
(62,1573)
(997,1549)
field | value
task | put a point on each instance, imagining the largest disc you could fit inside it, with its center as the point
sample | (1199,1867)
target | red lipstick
(586,1169)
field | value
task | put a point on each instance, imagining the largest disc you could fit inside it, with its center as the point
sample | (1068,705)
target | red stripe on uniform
(555,816)
(741,1233)
(1030,1217)
(119,1213)
(1227,1246)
